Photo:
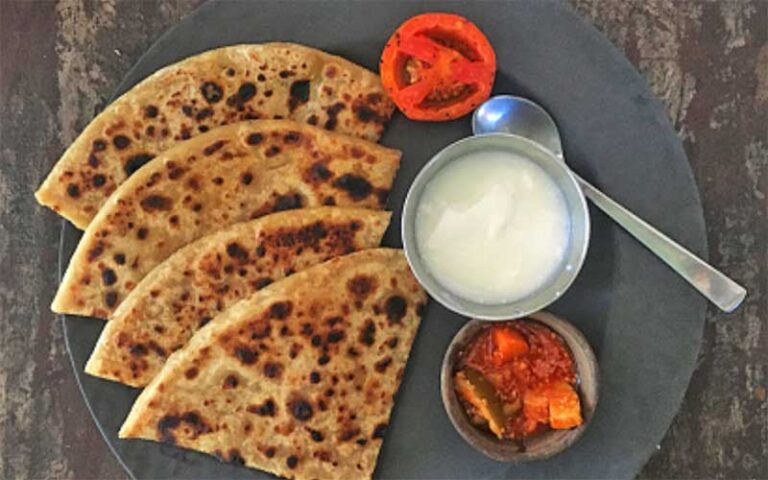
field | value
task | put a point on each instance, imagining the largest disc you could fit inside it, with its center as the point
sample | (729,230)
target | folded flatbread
(228,175)
(207,276)
(218,87)
(298,379)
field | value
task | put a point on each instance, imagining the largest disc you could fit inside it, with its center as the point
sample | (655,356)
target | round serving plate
(642,320)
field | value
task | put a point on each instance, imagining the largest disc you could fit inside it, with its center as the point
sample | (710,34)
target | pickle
(512,409)
(476,390)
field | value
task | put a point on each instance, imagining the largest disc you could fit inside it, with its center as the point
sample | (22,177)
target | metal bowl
(537,447)
(577,210)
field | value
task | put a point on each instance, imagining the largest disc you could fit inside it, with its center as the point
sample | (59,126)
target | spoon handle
(719,289)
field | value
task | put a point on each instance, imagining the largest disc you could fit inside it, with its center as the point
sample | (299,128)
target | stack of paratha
(231,241)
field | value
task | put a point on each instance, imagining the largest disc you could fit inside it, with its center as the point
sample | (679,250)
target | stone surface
(707,60)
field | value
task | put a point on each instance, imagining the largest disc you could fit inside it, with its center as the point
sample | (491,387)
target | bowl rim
(507,450)
(459,304)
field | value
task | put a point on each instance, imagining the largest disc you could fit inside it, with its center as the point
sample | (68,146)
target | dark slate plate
(643,321)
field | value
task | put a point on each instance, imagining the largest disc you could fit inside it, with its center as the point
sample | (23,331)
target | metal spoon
(508,114)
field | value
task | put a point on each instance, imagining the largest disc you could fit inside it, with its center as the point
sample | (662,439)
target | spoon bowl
(517,116)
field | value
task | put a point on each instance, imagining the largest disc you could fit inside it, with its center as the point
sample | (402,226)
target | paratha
(299,379)
(192,286)
(227,175)
(218,87)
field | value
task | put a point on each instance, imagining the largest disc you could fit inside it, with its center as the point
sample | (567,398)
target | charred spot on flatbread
(280,310)
(110,298)
(191,424)
(151,111)
(230,381)
(361,286)
(315,435)
(73,190)
(156,202)
(289,202)
(299,94)
(272,150)
(211,91)
(121,142)
(395,308)
(368,334)
(367,109)
(317,173)
(99,145)
(108,276)
(214,147)
(292,138)
(333,115)
(266,409)
(255,138)
(273,370)
(246,355)
(237,252)
(355,186)
(245,92)
(98,180)
(300,408)
(96,251)
(382,365)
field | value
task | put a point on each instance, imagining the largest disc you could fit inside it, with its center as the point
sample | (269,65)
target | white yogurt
(492,227)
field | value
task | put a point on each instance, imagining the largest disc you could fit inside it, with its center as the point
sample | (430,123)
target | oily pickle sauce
(547,360)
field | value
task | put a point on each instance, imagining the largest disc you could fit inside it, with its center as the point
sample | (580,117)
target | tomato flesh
(438,66)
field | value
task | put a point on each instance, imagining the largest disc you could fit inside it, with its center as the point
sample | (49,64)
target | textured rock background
(707,60)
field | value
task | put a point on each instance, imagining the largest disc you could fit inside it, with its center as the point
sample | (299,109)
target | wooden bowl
(540,446)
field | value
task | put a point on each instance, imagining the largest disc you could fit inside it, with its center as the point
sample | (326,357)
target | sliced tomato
(438,66)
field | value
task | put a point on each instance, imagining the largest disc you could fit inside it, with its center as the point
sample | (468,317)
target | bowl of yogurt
(495,227)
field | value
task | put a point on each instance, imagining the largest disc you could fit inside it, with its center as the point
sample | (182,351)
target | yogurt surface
(492,227)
